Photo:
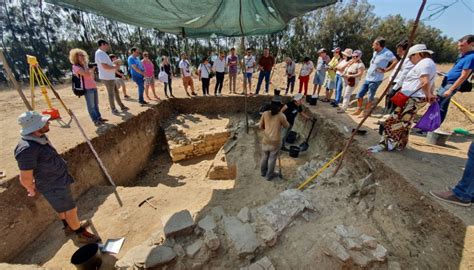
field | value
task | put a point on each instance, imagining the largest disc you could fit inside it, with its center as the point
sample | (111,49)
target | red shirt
(266,62)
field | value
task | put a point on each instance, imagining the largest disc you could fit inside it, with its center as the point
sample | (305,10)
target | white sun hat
(32,121)
(418,48)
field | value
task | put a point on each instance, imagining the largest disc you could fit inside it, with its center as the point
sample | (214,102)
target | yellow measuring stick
(307,181)
(462,108)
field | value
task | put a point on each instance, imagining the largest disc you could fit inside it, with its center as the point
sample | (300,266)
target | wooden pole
(15,83)
(410,42)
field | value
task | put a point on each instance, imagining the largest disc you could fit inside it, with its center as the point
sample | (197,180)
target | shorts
(248,75)
(188,81)
(319,78)
(330,84)
(60,199)
(149,80)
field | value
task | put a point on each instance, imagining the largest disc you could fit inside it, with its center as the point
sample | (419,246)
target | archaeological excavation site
(190,196)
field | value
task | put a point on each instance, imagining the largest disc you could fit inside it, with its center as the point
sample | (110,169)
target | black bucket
(87,257)
(294,151)
(313,100)
(308,98)
(291,137)
(276,92)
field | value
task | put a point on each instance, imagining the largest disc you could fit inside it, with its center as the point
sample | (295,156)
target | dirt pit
(320,228)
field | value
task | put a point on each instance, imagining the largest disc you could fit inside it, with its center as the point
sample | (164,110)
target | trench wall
(124,149)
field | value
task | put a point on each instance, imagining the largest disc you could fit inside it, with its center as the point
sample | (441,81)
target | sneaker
(115,111)
(103,120)
(69,231)
(124,109)
(448,196)
(88,238)
(194,94)
(98,123)
(143,102)
(126,96)
(357,112)
(172,96)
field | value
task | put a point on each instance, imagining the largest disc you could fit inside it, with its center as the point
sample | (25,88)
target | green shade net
(201,18)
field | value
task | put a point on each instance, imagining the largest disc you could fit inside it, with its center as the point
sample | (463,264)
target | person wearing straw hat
(418,86)
(341,66)
(320,74)
(330,82)
(44,171)
(351,75)
(383,60)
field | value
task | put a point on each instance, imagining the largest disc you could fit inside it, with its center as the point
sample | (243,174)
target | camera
(91,65)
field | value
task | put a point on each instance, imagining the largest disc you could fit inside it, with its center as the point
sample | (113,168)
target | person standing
(80,60)
(341,66)
(331,74)
(138,73)
(107,75)
(382,61)
(219,68)
(458,74)
(166,67)
(418,86)
(249,64)
(271,122)
(351,76)
(43,171)
(463,193)
(232,62)
(204,72)
(306,70)
(265,65)
(321,68)
(402,48)
(185,68)
(119,75)
(149,76)
(290,75)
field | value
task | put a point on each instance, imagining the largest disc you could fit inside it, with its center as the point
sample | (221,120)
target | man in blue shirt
(138,73)
(383,60)
(461,70)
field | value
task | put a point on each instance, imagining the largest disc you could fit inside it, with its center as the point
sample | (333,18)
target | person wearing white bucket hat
(341,66)
(43,170)
(351,76)
(418,87)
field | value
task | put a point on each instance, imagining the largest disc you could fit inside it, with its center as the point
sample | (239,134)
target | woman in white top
(418,86)
(204,72)
(306,70)
(351,76)
(290,75)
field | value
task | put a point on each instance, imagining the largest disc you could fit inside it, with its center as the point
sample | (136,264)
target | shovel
(304,146)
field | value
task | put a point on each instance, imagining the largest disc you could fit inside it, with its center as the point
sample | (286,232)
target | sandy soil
(183,185)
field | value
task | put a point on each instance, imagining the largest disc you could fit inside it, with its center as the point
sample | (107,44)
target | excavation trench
(139,154)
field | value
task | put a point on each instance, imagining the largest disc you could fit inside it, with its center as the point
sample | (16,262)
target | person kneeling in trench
(271,122)
(43,170)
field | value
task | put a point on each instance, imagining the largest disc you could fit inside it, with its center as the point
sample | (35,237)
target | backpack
(78,85)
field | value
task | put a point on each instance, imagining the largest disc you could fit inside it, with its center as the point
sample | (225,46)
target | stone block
(394,266)
(218,212)
(242,236)
(192,249)
(146,257)
(158,256)
(338,251)
(352,243)
(379,253)
(179,250)
(268,235)
(211,240)
(180,223)
(177,157)
(279,212)
(244,215)
(262,264)
(360,259)
(207,223)
(346,231)
(368,241)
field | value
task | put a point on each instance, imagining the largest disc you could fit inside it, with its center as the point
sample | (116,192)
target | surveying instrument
(37,75)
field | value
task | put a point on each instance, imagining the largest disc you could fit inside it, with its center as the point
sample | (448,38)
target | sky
(455,22)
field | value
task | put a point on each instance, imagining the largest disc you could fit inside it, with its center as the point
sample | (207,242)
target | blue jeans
(92,102)
(261,75)
(369,86)
(339,87)
(141,87)
(444,101)
(290,84)
(464,190)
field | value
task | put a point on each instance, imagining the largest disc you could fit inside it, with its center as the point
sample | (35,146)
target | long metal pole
(15,83)
(410,41)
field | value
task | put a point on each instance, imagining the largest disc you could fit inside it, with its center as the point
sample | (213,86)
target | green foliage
(49,32)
